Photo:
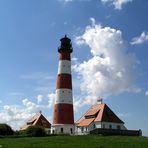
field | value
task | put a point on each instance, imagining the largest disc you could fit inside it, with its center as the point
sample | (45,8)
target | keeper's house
(39,120)
(100,119)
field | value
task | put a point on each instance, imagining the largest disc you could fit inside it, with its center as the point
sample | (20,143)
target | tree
(5,130)
(35,131)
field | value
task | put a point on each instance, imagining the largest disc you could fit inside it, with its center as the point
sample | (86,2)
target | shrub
(19,134)
(35,131)
(5,130)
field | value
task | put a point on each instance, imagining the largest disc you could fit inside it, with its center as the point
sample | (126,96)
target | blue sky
(111,36)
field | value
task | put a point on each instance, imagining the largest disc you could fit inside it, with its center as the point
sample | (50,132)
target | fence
(116,132)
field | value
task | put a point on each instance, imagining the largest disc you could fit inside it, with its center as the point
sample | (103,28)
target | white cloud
(134,89)
(118,4)
(109,71)
(141,39)
(78,103)
(146,93)
(40,98)
(17,115)
(74,59)
(51,99)
(30,105)
(65,1)
(68,0)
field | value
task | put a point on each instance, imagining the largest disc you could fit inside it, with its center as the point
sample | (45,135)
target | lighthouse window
(71,130)
(61,130)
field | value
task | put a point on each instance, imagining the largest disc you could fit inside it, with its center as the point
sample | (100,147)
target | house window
(94,126)
(110,126)
(61,130)
(118,127)
(103,125)
(82,129)
(86,128)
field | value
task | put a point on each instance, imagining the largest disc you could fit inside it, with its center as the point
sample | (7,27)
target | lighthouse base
(63,129)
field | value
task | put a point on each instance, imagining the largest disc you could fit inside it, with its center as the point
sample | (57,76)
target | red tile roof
(98,112)
(86,122)
(38,119)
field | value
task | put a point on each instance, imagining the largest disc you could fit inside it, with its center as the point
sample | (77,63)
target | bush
(35,131)
(19,134)
(5,130)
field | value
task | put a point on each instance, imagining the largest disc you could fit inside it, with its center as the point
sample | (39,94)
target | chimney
(100,101)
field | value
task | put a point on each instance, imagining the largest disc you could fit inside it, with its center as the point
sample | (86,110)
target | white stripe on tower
(64,67)
(64,96)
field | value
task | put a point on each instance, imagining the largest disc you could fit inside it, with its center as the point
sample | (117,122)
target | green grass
(89,141)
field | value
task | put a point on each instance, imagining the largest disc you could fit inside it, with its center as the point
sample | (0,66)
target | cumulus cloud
(51,99)
(140,39)
(146,93)
(17,115)
(109,71)
(78,103)
(40,98)
(118,4)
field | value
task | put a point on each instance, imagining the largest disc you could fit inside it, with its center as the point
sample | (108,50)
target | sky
(109,59)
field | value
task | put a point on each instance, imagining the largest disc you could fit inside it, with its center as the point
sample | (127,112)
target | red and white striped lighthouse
(63,121)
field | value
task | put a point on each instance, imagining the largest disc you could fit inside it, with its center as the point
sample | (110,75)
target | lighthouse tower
(63,121)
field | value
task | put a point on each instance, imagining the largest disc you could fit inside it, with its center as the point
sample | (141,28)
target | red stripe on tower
(63,121)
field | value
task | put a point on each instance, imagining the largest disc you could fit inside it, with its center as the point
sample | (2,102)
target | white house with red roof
(99,116)
(39,120)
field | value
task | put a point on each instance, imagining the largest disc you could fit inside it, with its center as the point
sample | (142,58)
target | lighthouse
(63,120)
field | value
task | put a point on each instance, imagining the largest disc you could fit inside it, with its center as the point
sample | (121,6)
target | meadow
(88,141)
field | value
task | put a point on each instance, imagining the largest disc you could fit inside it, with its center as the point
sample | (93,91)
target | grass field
(89,141)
